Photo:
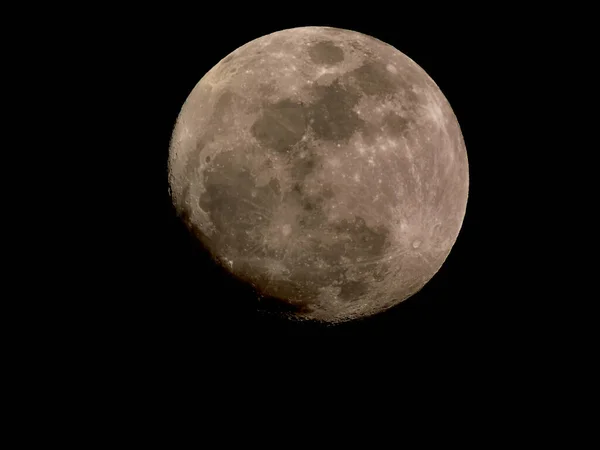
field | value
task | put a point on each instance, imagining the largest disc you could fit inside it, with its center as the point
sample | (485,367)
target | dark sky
(136,324)
(128,320)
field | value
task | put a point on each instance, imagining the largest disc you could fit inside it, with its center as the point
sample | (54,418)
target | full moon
(324,168)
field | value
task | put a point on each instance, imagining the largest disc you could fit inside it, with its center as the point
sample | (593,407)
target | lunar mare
(325,168)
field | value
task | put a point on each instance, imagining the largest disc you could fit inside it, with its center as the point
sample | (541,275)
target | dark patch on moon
(281,125)
(222,107)
(302,167)
(380,272)
(396,125)
(370,132)
(352,290)
(326,52)
(228,199)
(332,116)
(275,186)
(366,241)
(313,215)
(328,192)
(373,78)
(311,203)
(266,89)
(294,194)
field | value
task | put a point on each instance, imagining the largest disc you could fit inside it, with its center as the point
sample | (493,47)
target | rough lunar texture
(325,168)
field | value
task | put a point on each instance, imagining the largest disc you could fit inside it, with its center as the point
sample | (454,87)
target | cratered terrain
(323,167)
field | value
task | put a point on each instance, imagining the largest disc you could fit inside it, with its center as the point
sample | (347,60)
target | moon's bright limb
(324,167)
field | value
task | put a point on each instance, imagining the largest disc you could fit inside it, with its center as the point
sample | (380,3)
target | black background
(137,321)
(127,317)
(160,296)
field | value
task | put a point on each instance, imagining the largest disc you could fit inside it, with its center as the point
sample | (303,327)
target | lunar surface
(323,167)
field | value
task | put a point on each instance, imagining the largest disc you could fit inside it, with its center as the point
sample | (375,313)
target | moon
(323,167)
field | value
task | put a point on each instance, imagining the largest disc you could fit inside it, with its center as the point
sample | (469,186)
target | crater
(193,161)
(326,52)
(281,125)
